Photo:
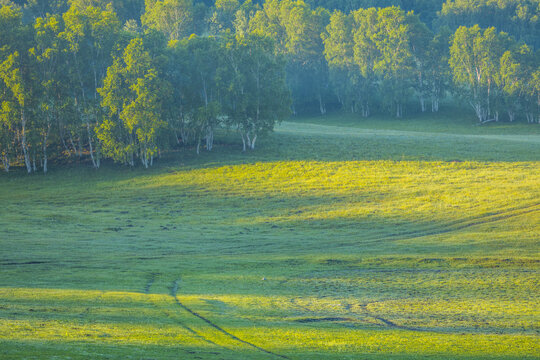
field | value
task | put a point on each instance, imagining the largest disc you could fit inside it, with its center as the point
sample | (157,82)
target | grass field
(337,238)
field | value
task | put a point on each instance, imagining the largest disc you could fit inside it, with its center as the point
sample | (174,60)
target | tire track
(387,322)
(146,291)
(366,313)
(354,317)
(444,228)
(458,225)
(150,282)
(396,326)
(174,291)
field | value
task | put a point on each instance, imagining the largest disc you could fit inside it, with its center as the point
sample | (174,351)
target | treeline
(386,56)
(127,79)
(86,85)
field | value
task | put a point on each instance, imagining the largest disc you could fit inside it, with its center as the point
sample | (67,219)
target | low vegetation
(391,241)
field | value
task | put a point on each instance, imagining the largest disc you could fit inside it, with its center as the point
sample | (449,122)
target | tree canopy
(128,79)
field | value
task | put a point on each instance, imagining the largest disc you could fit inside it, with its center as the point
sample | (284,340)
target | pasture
(336,238)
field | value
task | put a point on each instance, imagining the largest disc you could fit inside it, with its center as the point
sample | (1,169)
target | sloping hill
(326,242)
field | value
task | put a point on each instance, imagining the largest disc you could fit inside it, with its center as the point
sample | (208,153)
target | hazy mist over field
(230,179)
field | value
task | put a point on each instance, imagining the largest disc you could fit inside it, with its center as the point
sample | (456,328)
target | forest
(128,79)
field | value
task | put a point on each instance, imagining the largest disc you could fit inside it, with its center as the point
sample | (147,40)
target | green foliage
(475,60)
(253,77)
(296,30)
(375,49)
(134,93)
(172,17)
(516,17)
(362,58)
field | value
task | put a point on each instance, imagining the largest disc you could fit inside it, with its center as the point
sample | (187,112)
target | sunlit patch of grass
(351,329)
(405,190)
(327,242)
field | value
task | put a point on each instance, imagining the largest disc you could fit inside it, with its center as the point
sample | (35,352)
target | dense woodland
(128,79)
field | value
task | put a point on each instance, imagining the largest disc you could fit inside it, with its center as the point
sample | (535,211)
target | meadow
(337,238)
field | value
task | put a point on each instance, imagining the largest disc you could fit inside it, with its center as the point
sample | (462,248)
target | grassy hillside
(404,240)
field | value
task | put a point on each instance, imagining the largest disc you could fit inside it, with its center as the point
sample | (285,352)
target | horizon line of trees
(88,78)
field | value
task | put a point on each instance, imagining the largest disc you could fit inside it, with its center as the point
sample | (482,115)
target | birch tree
(366,53)
(91,33)
(52,96)
(338,50)
(174,18)
(134,94)
(16,82)
(200,92)
(255,94)
(519,81)
(475,61)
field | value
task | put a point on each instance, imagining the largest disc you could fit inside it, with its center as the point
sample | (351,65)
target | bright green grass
(372,242)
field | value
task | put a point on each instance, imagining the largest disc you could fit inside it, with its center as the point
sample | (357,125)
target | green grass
(401,240)
(454,120)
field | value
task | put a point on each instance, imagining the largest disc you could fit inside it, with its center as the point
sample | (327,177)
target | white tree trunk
(144,156)
(80,145)
(73,144)
(511,115)
(45,153)
(322,107)
(399,110)
(24,144)
(5,162)
(435,104)
(184,134)
(243,142)
(45,140)
(91,148)
(209,138)
(252,146)
(481,113)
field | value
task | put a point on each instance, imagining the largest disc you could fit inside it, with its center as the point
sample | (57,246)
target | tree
(475,61)
(519,82)
(198,92)
(255,95)
(10,23)
(172,17)
(91,33)
(338,50)
(52,97)
(516,17)
(222,19)
(437,76)
(420,41)
(16,82)
(395,64)
(133,93)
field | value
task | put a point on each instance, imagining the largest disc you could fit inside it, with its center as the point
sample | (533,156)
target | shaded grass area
(326,242)
(451,120)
